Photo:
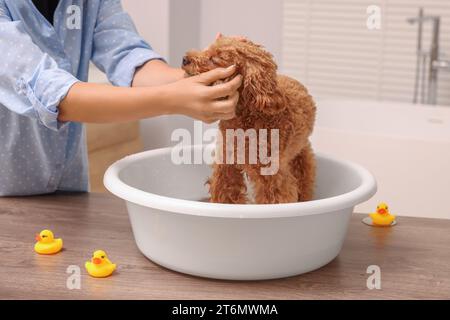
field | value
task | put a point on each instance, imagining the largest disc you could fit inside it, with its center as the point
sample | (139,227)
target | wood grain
(414,258)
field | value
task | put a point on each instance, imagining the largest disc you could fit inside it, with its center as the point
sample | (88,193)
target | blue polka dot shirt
(39,63)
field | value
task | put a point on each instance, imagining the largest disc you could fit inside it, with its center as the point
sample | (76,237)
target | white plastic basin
(236,242)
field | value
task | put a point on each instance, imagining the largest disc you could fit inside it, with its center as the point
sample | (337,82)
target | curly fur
(267,101)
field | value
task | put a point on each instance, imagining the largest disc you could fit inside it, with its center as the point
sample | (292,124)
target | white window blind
(328,47)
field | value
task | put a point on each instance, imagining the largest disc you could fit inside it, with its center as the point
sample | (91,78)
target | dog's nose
(186,61)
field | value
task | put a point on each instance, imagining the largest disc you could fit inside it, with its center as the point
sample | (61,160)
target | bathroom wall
(174,26)
(152,21)
(185,26)
(327,46)
(259,20)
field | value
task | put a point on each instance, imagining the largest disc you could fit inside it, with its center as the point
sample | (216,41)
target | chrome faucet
(428,62)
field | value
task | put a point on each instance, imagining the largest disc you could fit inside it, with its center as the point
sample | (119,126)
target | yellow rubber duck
(100,266)
(382,217)
(47,244)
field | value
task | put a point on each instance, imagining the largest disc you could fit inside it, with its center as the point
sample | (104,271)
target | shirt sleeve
(118,49)
(31,84)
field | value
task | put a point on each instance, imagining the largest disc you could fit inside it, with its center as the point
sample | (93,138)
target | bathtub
(406,147)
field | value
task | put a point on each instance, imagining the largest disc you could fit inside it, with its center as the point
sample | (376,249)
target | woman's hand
(196,98)
(193,97)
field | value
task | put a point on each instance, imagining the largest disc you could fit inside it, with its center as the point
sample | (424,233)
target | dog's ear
(260,90)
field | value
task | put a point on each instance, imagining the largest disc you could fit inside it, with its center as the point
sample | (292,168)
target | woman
(46,47)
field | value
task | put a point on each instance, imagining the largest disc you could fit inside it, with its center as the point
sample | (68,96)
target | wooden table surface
(414,258)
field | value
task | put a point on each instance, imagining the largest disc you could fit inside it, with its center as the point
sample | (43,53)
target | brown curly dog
(267,101)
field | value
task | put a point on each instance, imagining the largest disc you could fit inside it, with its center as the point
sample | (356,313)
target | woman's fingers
(211,105)
(217,74)
(222,109)
(226,89)
(227,106)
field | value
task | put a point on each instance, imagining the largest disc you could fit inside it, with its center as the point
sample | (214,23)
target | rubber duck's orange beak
(96,261)
(38,237)
(382,211)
